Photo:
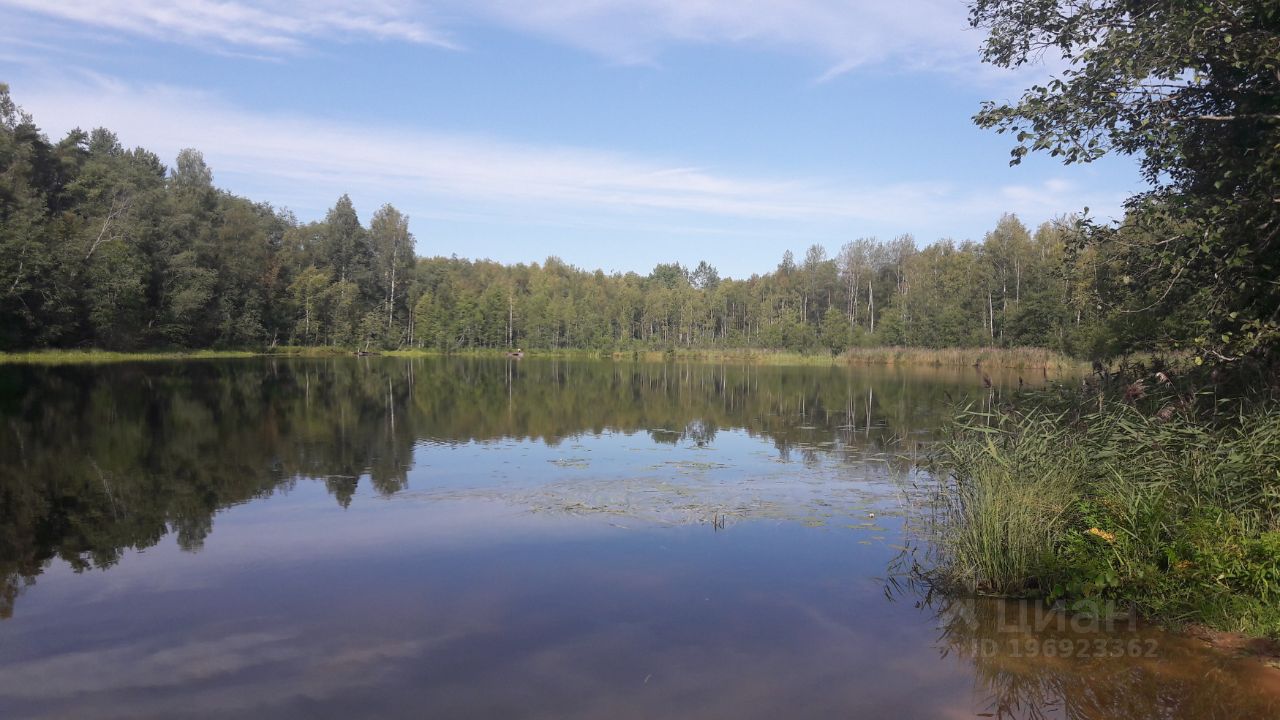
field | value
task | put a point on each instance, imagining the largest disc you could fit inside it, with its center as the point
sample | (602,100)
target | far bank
(1010,358)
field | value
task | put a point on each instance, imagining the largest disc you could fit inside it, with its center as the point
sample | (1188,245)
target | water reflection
(376,554)
(1034,662)
(97,460)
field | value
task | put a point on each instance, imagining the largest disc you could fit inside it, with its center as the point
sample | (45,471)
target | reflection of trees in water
(97,460)
(1031,663)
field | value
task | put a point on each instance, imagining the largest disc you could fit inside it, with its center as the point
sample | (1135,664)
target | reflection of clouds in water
(97,586)
(612,670)
(784,662)
(209,677)
(143,665)
(620,640)
(581,636)
(278,533)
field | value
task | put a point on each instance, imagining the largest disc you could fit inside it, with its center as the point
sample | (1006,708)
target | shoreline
(995,358)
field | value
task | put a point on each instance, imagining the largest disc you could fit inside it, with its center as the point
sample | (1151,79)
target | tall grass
(1018,358)
(1022,358)
(1175,515)
(75,357)
(750,356)
(70,357)
(1008,487)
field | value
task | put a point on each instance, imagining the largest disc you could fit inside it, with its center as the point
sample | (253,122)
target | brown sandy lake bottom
(385,538)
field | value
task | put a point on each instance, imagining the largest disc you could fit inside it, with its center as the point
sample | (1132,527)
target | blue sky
(612,133)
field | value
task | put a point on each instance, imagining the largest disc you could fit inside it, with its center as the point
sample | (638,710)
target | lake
(467,538)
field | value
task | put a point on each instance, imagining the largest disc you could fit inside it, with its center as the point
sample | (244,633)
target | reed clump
(1158,507)
(1006,496)
(1021,358)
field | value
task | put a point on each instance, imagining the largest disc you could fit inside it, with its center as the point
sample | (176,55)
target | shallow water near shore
(390,537)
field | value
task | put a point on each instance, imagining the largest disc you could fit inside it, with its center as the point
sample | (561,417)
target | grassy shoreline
(1015,358)
(76,357)
(89,357)
(1142,502)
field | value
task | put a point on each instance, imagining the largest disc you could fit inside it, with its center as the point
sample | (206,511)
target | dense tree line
(1013,288)
(103,246)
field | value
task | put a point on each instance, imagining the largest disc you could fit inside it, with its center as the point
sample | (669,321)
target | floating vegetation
(869,527)
(570,462)
(689,465)
(821,498)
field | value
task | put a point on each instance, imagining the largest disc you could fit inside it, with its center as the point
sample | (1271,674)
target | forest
(110,248)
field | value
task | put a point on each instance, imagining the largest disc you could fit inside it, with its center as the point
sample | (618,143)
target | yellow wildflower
(1100,533)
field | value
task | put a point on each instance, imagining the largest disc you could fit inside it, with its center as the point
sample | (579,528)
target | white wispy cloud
(840,34)
(844,34)
(306,162)
(272,25)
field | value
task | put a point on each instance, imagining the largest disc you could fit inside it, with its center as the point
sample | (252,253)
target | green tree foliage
(1015,288)
(1193,90)
(393,257)
(837,335)
(103,246)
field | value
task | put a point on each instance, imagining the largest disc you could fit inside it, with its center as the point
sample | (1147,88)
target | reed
(75,357)
(1021,358)
(1174,515)
(1004,502)
(995,358)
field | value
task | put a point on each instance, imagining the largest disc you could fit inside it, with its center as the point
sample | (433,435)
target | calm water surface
(383,538)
